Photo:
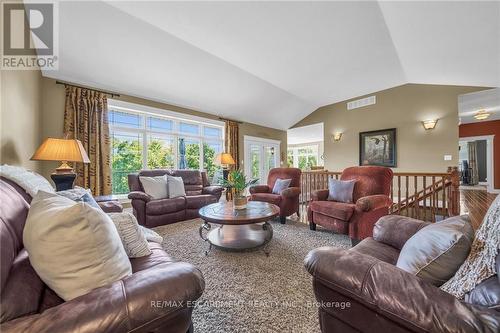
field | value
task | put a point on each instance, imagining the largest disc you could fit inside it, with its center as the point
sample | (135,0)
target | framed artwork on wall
(378,147)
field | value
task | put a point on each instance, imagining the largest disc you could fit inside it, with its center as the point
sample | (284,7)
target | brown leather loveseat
(153,299)
(361,289)
(154,212)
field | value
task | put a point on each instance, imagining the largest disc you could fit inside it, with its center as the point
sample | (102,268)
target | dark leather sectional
(153,299)
(384,298)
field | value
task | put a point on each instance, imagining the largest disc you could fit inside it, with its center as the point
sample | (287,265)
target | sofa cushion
(381,251)
(338,210)
(156,187)
(280,185)
(175,187)
(198,201)
(340,190)
(487,293)
(436,251)
(267,197)
(63,237)
(165,206)
(131,234)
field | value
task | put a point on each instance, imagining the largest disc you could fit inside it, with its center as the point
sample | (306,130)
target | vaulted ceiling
(273,63)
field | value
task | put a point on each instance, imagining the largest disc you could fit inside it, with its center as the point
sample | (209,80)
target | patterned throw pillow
(340,190)
(280,185)
(132,236)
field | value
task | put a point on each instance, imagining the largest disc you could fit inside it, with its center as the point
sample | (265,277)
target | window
(142,139)
(303,157)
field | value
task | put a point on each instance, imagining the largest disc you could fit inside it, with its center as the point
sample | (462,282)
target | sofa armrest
(291,192)
(213,190)
(381,289)
(142,300)
(319,195)
(137,195)
(259,189)
(395,230)
(373,202)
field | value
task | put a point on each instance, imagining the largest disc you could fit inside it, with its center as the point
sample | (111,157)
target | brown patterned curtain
(86,119)
(474,173)
(231,143)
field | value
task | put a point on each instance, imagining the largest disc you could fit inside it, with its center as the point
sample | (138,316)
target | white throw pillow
(73,247)
(151,235)
(155,186)
(133,238)
(175,187)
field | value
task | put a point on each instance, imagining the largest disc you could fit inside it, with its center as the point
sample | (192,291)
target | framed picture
(378,148)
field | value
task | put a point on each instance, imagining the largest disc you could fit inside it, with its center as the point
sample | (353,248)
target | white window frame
(295,154)
(175,134)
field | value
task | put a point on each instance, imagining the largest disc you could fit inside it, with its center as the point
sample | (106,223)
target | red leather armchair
(288,200)
(370,202)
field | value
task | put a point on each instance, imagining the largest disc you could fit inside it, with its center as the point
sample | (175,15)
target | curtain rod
(77,86)
(235,121)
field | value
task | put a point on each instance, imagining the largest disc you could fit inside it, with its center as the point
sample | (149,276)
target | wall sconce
(481,115)
(429,124)
(337,136)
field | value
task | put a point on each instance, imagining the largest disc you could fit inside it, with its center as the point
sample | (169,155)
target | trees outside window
(303,157)
(144,141)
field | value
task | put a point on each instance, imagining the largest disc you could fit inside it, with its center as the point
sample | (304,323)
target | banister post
(454,199)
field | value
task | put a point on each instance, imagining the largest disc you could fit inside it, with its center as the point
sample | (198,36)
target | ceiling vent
(359,103)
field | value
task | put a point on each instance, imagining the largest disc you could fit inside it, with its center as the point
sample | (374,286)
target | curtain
(474,173)
(231,143)
(86,119)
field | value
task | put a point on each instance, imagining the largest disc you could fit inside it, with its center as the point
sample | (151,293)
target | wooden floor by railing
(423,195)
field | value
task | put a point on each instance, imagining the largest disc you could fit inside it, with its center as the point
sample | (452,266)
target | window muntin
(142,140)
(303,157)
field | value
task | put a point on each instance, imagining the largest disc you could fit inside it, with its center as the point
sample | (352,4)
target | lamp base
(63,181)
(64,168)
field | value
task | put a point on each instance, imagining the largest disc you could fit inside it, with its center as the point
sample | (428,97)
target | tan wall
(20,117)
(53,116)
(404,108)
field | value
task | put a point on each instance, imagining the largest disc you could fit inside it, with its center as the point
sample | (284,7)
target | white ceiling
(469,104)
(305,134)
(273,63)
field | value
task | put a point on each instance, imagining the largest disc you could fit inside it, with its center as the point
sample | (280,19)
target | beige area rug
(248,291)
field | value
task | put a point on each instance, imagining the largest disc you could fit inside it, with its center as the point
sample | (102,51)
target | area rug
(249,291)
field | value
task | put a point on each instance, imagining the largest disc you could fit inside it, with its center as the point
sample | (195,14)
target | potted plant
(237,181)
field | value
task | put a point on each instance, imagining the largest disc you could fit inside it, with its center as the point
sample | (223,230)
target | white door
(261,155)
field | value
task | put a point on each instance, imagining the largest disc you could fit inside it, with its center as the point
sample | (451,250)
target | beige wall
(53,116)
(404,108)
(20,117)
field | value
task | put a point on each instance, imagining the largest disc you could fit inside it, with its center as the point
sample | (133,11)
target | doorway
(479,170)
(261,155)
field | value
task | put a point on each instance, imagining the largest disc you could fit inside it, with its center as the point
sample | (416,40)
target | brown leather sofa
(288,200)
(361,289)
(370,202)
(138,303)
(154,212)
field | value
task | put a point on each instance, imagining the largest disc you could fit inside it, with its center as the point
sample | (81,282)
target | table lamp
(224,160)
(64,150)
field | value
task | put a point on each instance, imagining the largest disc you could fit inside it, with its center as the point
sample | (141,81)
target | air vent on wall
(361,102)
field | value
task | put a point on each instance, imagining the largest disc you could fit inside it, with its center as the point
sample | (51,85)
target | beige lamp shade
(64,150)
(224,159)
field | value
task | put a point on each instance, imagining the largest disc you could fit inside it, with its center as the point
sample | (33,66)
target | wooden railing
(422,195)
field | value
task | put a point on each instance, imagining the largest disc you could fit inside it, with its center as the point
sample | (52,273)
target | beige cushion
(155,186)
(175,187)
(73,247)
(436,251)
(133,238)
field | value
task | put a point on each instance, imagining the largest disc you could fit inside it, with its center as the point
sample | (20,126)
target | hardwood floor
(476,204)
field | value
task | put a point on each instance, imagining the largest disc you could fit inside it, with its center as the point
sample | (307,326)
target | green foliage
(127,158)
(238,181)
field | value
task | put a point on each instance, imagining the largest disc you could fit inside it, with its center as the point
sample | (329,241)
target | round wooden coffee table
(239,229)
